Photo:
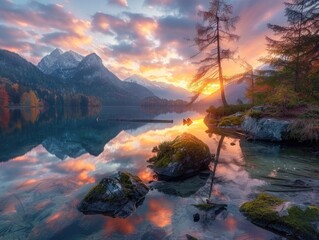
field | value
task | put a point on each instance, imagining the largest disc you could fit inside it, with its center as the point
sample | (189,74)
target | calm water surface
(48,162)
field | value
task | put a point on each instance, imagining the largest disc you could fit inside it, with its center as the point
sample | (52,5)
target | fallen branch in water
(141,120)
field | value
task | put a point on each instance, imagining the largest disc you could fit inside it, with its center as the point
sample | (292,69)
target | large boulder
(115,196)
(183,157)
(266,128)
(288,219)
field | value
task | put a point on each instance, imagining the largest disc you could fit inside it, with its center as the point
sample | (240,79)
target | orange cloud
(82,167)
(160,212)
(124,226)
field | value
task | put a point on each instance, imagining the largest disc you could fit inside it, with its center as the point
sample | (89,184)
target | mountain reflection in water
(50,164)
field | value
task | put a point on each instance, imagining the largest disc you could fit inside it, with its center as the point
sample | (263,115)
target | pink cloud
(121,3)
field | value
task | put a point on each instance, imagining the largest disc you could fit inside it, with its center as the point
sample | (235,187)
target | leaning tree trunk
(220,70)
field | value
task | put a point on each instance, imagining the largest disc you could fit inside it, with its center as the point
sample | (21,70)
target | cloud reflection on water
(50,189)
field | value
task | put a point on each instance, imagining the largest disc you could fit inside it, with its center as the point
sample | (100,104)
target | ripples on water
(50,162)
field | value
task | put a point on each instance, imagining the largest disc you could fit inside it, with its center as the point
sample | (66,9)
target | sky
(150,38)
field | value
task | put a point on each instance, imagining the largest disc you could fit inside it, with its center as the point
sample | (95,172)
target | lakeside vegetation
(286,87)
(18,95)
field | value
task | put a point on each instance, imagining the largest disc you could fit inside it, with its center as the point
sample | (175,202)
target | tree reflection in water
(220,144)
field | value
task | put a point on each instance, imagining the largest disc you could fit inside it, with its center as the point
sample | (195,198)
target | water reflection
(39,192)
(64,133)
(219,146)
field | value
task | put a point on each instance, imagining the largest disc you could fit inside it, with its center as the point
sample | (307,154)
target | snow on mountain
(60,64)
(91,60)
(160,89)
(46,64)
(89,76)
(142,81)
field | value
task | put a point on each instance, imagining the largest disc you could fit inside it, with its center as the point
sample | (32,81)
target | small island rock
(115,196)
(283,217)
(183,157)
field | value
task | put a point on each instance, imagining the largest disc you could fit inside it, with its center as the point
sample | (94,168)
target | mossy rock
(116,196)
(255,114)
(205,206)
(185,156)
(232,120)
(293,222)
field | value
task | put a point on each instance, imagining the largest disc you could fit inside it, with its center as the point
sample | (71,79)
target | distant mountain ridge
(161,89)
(69,74)
(89,76)
(235,93)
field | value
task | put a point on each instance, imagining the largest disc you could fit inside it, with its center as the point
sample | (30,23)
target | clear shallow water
(48,164)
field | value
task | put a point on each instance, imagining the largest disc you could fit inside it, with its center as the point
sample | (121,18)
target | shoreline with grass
(295,124)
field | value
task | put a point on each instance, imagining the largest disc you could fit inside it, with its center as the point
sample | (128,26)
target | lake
(49,161)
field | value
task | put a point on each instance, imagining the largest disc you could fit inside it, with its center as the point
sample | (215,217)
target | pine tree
(216,28)
(294,55)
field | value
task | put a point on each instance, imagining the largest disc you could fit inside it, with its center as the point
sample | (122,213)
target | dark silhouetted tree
(294,54)
(216,29)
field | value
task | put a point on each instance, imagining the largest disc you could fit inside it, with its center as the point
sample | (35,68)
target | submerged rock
(266,128)
(283,217)
(196,217)
(181,158)
(154,234)
(211,210)
(116,196)
(183,188)
(190,237)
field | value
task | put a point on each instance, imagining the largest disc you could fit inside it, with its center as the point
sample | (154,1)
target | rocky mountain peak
(56,53)
(73,55)
(46,64)
(91,60)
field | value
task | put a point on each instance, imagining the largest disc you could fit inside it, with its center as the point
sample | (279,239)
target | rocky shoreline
(255,126)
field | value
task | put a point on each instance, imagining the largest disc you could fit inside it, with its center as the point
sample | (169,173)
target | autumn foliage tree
(216,29)
(29,99)
(4,97)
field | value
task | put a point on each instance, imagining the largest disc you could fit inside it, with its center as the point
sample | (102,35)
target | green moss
(125,179)
(96,190)
(301,220)
(176,150)
(204,206)
(229,110)
(255,114)
(231,121)
(262,211)
(262,208)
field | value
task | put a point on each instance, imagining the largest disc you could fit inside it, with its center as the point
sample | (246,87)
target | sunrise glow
(148,38)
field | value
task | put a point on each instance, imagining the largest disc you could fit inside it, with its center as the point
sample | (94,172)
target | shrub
(255,114)
(284,98)
(304,130)
(230,121)
(229,110)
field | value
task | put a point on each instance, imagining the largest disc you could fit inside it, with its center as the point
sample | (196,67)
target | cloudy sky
(145,37)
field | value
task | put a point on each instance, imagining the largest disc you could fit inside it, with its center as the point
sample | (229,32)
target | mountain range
(69,73)
(88,75)
(161,89)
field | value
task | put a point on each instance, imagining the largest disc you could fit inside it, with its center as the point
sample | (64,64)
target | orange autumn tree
(4,97)
(29,99)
